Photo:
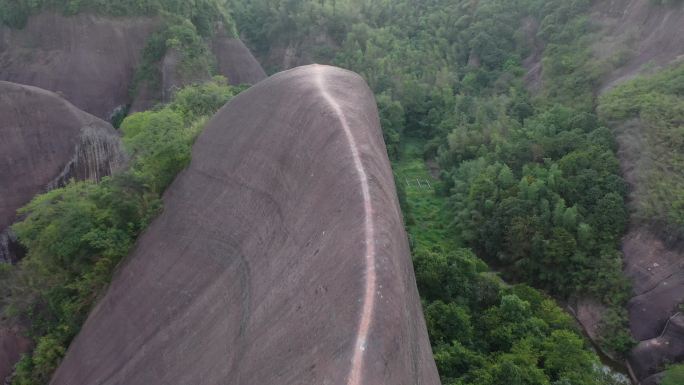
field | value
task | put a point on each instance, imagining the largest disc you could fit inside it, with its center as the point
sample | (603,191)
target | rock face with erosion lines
(45,142)
(640,35)
(90,60)
(657,275)
(236,62)
(651,356)
(280,257)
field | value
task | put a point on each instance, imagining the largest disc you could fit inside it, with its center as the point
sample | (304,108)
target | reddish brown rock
(12,345)
(280,257)
(637,36)
(46,141)
(90,60)
(652,356)
(657,274)
(236,62)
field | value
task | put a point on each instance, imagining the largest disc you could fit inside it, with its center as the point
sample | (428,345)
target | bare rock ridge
(280,257)
(91,60)
(45,142)
(236,62)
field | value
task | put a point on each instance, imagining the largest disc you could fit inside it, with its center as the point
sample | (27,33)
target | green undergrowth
(76,235)
(182,36)
(674,375)
(482,331)
(428,219)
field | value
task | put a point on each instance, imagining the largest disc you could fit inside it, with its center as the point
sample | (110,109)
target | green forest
(526,213)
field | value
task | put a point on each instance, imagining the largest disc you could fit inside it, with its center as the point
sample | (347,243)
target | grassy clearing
(428,219)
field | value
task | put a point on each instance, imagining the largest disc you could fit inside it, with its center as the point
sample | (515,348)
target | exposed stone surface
(12,345)
(644,35)
(651,356)
(45,142)
(657,274)
(589,314)
(90,60)
(280,257)
(236,62)
(654,379)
(533,62)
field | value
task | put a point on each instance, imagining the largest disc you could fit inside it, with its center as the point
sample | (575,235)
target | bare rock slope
(644,34)
(44,141)
(280,257)
(92,60)
(236,62)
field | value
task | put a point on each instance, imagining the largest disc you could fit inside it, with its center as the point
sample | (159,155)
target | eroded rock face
(657,275)
(45,142)
(280,257)
(90,60)
(643,35)
(236,62)
(650,356)
(12,345)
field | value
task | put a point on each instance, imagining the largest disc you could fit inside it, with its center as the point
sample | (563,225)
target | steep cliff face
(280,257)
(642,37)
(90,60)
(45,142)
(650,355)
(630,36)
(236,62)
(641,34)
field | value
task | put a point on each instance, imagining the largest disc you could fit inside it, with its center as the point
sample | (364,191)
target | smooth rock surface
(45,142)
(90,60)
(236,62)
(652,356)
(280,257)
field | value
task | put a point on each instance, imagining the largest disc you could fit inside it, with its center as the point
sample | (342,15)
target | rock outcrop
(638,36)
(651,356)
(45,142)
(235,61)
(90,60)
(280,257)
(12,345)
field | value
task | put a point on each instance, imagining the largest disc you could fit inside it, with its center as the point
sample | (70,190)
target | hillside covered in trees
(502,96)
(521,161)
